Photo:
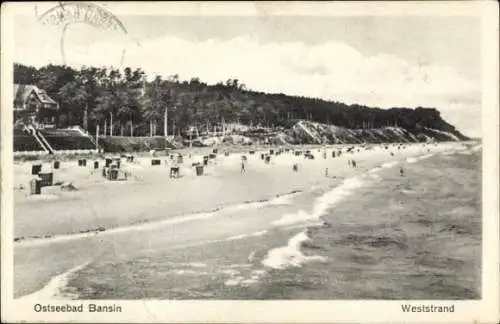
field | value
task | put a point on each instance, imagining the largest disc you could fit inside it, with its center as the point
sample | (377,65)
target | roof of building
(23,91)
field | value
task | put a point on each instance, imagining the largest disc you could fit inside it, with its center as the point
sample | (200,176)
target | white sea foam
(426,156)
(411,160)
(259,272)
(182,272)
(240,265)
(374,170)
(52,289)
(322,203)
(248,282)
(231,272)
(234,281)
(194,264)
(242,236)
(238,280)
(290,255)
(292,218)
(389,164)
(143,227)
(251,256)
(281,200)
(335,195)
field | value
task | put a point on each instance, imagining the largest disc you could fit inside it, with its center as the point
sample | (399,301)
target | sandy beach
(152,211)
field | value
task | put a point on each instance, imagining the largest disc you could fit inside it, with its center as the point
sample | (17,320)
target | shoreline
(160,198)
(32,241)
(231,148)
(80,247)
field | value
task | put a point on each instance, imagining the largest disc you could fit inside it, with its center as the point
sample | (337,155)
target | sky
(384,61)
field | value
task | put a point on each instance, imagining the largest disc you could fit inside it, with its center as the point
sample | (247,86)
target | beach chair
(174,172)
(35,186)
(35,169)
(113,174)
(46,178)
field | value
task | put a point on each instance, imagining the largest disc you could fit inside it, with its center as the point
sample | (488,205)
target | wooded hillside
(137,107)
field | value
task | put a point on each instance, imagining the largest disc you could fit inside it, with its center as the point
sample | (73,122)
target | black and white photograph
(246,153)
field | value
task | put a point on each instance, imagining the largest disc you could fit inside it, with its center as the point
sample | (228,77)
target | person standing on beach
(242,166)
(353,163)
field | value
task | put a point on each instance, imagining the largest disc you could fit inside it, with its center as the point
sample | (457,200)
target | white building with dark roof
(33,105)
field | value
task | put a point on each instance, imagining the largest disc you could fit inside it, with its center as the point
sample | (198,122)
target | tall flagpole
(165,122)
(97,138)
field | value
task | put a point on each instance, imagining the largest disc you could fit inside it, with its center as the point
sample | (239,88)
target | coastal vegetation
(123,102)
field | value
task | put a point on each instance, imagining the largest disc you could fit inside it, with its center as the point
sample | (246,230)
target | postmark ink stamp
(67,13)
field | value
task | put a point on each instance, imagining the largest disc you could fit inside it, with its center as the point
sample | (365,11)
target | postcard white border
(485,310)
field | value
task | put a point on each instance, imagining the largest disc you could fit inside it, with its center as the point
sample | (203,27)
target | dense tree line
(133,106)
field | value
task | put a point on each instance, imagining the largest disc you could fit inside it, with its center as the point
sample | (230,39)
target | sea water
(381,235)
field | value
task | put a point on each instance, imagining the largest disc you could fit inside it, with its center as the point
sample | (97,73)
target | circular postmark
(67,13)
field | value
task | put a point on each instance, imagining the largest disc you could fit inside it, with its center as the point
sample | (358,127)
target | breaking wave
(242,236)
(53,289)
(237,279)
(426,156)
(411,160)
(322,203)
(278,200)
(389,164)
(374,170)
(290,255)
